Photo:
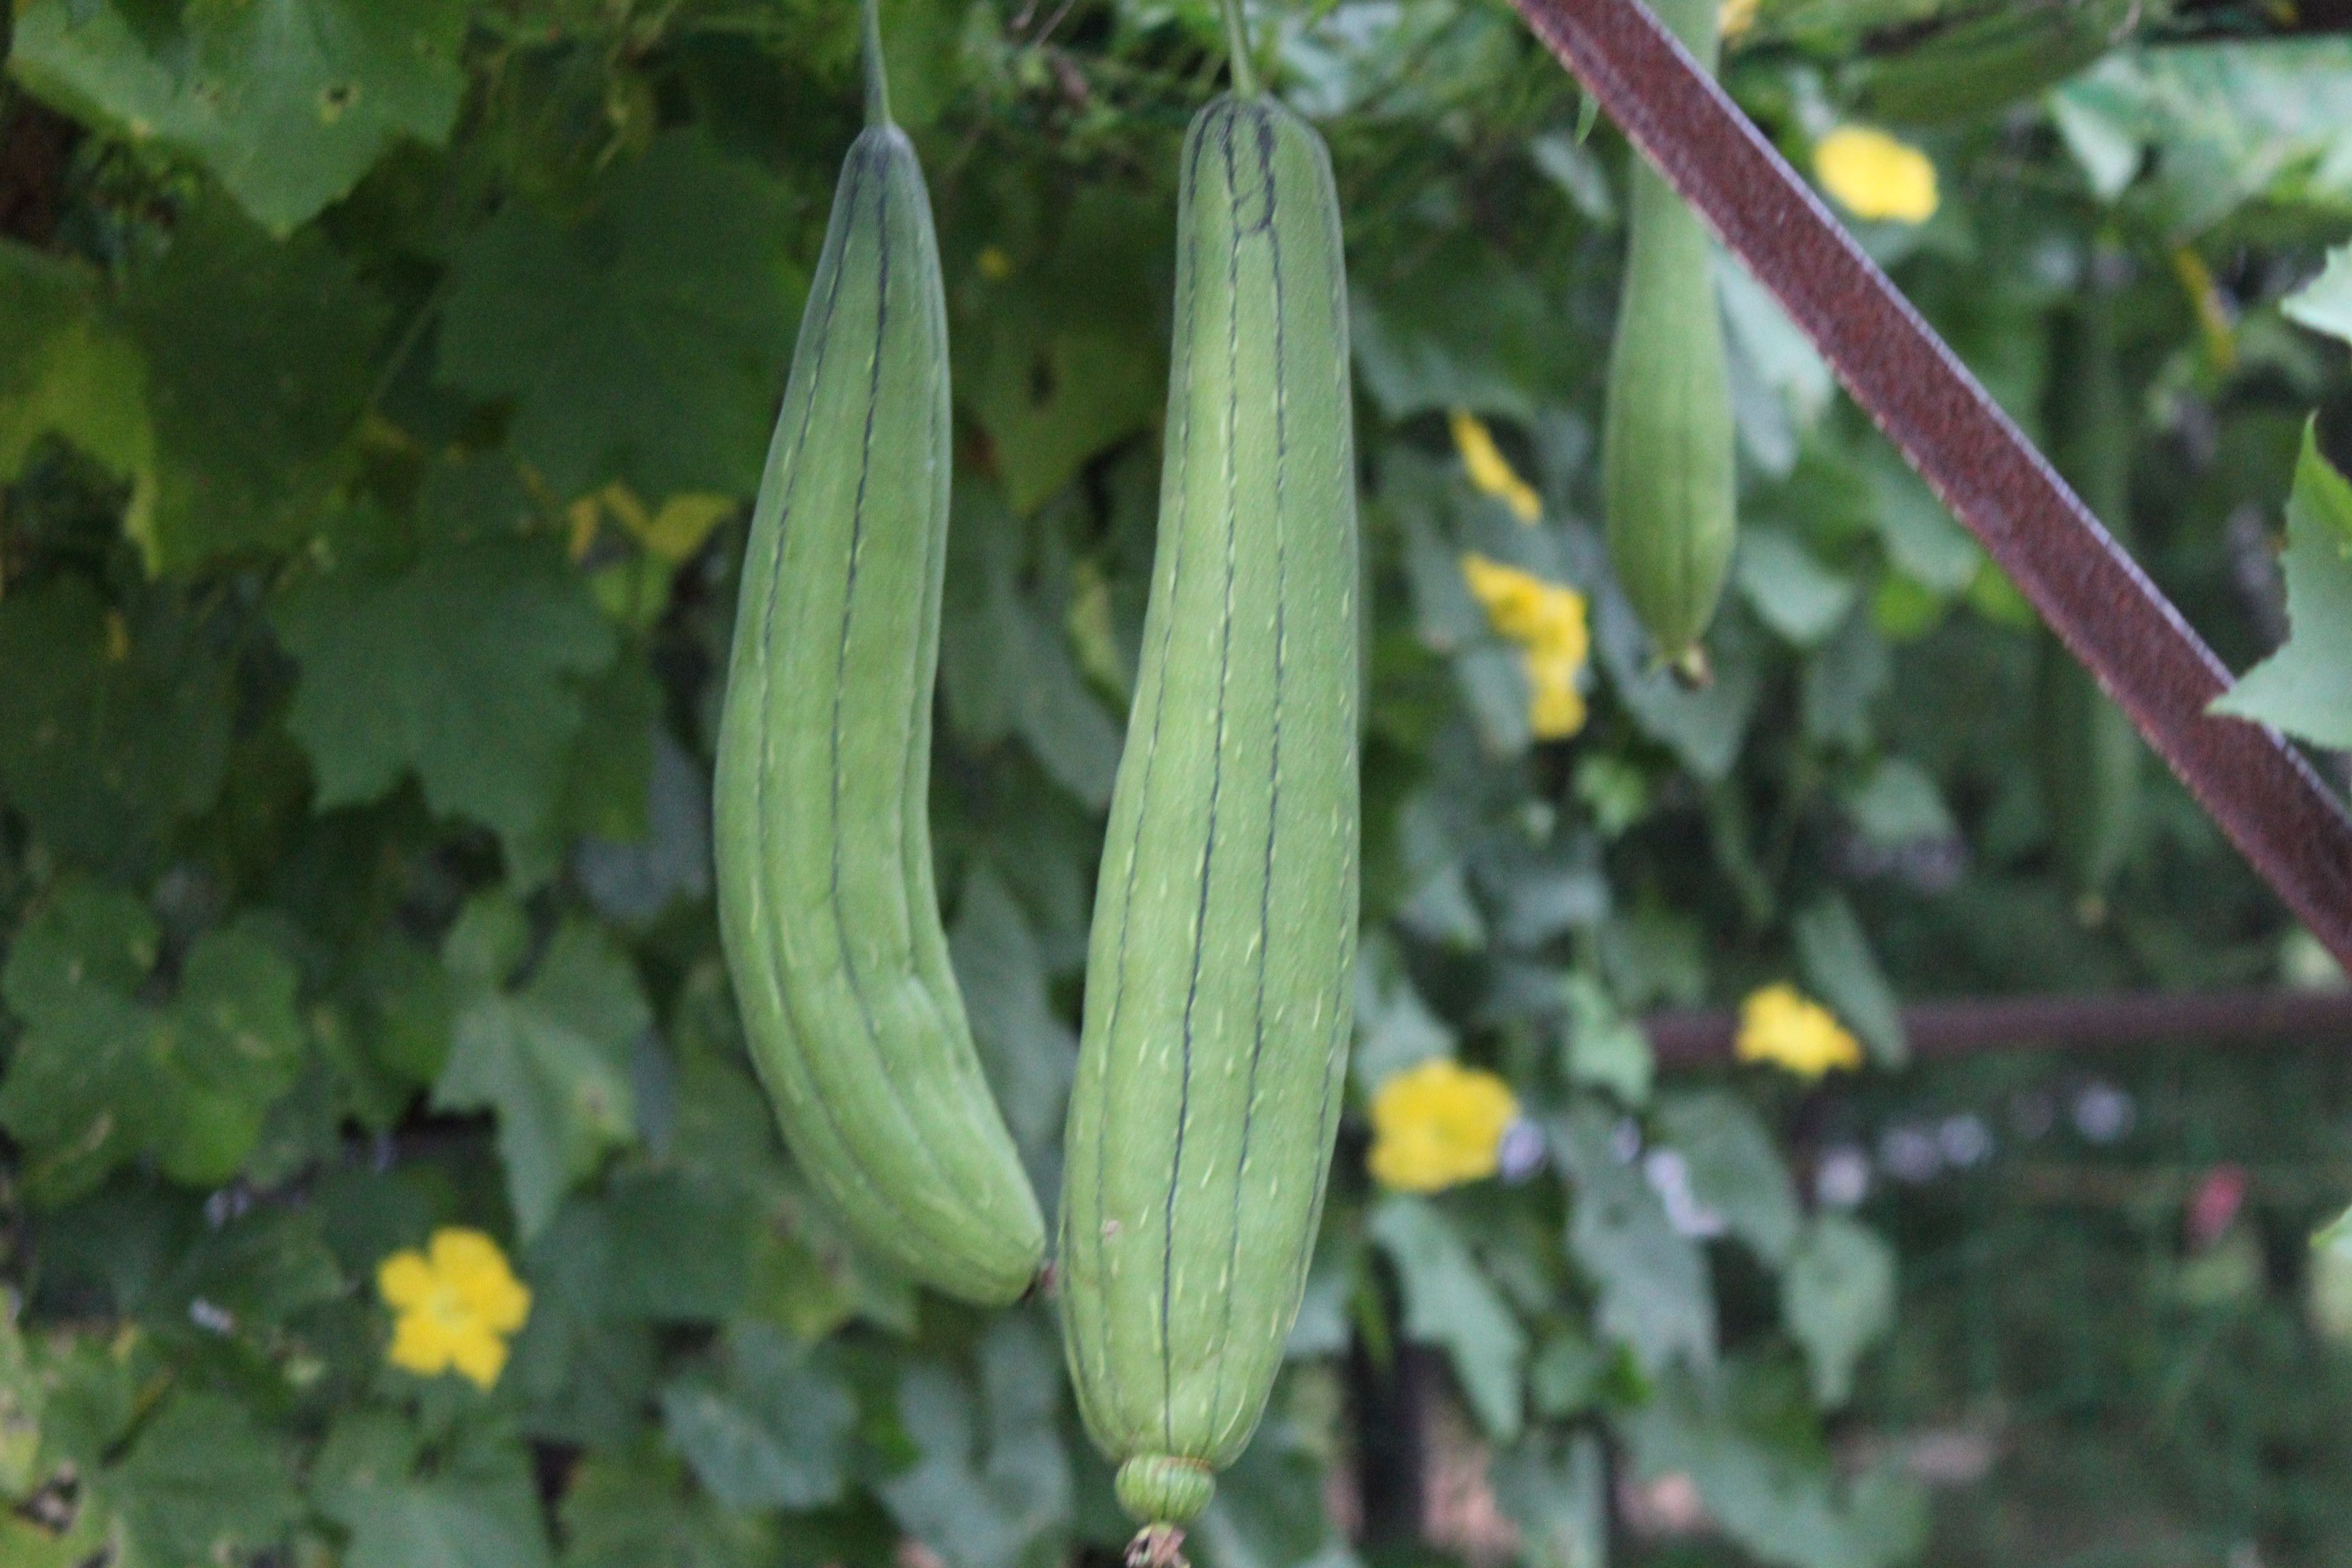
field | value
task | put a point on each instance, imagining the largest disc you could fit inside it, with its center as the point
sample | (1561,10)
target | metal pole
(2270,802)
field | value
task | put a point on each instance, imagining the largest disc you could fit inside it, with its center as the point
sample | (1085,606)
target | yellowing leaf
(684,521)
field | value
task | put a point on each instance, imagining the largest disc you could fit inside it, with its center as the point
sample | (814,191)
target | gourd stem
(1237,49)
(877,84)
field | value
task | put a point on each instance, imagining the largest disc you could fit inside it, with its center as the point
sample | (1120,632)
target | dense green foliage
(383,385)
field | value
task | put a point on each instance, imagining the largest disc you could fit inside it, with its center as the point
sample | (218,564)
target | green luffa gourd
(1219,996)
(827,907)
(1668,478)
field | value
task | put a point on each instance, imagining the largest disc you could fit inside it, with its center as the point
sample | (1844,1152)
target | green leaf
(258,1269)
(993,1485)
(773,1433)
(112,731)
(580,1374)
(1555,1489)
(1652,1283)
(460,1520)
(67,369)
(259,359)
(1030,1054)
(1838,1297)
(2305,687)
(1268,1511)
(100,1076)
(236,1030)
(1066,357)
(86,941)
(552,1059)
(203,1485)
(1784,1506)
(1605,1050)
(1839,963)
(1705,728)
(633,1508)
(646,343)
(1006,663)
(2324,304)
(2230,124)
(1395,1029)
(288,102)
(1797,596)
(681,1245)
(1772,348)
(1896,804)
(1843,679)
(1920,534)
(1733,1168)
(462,669)
(1449,1301)
(1465,329)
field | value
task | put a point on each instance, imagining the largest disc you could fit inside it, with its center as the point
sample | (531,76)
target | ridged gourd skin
(827,907)
(1668,478)
(1220,971)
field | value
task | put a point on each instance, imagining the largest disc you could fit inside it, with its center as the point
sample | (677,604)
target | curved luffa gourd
(823,851)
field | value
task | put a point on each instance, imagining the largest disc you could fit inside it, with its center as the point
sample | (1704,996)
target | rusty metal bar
(1964,1027)
(2268,800)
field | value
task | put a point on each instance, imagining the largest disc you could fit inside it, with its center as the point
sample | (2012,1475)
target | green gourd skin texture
(1219,975)
(1668,478)
(2090,758)
(827,907)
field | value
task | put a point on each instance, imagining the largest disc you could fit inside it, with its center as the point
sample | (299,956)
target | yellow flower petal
(1734,17)
(480,1357)
(1489,470)
(1781,1025)
(1437,1125)
(1875,176)
(422,1344)
(1548,622)
(1555,707)
(404,1279)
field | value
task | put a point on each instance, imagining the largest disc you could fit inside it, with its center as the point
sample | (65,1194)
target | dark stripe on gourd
(1668,472)
(1218,975)
(827,903)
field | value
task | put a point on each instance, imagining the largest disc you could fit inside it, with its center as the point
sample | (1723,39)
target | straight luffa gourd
(828,908)
(2087,753)
(1668,476)
(1218,975)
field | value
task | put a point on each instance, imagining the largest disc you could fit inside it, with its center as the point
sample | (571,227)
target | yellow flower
(1491,471)
(1734,17)
(1555,707)
(1548,621)
(1779,1025)
(454,1305)
(1439,1124)
(1875,176)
